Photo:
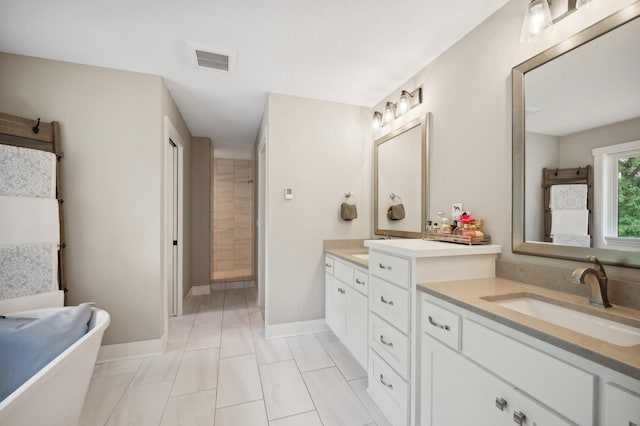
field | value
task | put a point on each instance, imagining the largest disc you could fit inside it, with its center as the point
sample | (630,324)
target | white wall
(468,90)
(321,150)
(201,207)
(111,132)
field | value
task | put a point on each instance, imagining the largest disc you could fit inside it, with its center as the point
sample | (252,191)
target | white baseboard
(295,328)
(108,353)
(198,290)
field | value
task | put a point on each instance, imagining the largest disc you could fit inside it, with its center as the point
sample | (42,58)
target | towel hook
(578,172)
(556,173)
(36,128)
(393,196)
(350,195)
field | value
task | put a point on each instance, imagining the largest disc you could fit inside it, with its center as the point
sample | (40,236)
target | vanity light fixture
(542,14)
(377,120)
(389,113)
(407,101)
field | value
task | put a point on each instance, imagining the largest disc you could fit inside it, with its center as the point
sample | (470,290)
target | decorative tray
(457,239)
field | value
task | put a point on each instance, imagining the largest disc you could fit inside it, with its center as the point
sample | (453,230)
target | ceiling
(353,51)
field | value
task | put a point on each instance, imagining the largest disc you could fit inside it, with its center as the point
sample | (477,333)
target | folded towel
(28,269)
(569,222)
(348,211)
(26,172)
(396,212)
(572,240)
(25,220)
(568,197)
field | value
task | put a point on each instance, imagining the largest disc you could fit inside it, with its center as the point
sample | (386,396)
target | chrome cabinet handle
(435,324)
(500,403)
(389,385)
(341,290)
(359,282)
(519,417)
(386,302)
(381,266)
(328,265)
(384,342)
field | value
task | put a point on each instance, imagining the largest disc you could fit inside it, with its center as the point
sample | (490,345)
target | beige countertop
(347,254)
(472,295)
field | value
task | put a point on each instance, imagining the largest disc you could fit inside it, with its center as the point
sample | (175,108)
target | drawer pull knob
(328,265)
(435,324)
(359,282)
(519,417)
(501,403)
(341,290)
(389,385)
(381,266)
(385,301)
(384,342)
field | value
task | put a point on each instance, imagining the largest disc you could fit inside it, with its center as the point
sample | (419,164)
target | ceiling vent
(218,61)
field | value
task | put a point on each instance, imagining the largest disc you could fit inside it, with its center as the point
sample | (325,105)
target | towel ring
(393,196)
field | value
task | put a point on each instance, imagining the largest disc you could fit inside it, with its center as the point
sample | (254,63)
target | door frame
(261,278)
(171,135)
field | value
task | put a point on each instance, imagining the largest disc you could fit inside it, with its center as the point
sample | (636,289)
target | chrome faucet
(597,280)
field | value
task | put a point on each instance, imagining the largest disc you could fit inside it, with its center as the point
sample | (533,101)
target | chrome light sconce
(539,15)
(407,101)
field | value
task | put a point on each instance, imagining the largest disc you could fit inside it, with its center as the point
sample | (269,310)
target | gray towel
(396,212)
(348,211)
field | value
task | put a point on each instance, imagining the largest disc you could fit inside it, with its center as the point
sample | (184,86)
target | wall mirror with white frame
(401,180)
(576,105)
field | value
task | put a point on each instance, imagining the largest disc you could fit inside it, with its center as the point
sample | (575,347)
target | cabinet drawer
(562,387)
(390,344)
(391,268)
(328,264)
(391,303)
(441,323)
(343,272)
(361,281)
(388,390)
(620,406)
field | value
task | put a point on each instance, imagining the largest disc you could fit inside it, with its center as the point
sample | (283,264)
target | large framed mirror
(576,146)
(401,180)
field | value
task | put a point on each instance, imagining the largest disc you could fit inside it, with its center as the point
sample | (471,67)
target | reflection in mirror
(400,181)
(576,123)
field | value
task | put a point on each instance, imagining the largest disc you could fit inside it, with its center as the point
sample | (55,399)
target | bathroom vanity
(485,356)
(395,268)
(346,298)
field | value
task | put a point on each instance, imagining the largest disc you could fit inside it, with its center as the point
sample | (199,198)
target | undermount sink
(558,313)
(364,256)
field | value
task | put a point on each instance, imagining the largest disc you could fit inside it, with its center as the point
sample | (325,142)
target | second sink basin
(560,314)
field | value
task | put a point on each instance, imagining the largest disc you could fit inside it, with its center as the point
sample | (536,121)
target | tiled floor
(220,370)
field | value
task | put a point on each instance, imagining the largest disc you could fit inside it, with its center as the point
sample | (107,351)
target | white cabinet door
(461,392)
(356,313)
(620,407)
(335,305)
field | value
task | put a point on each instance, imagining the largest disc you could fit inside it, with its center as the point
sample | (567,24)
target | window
(617,174)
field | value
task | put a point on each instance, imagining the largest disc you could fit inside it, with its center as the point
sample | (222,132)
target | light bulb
(536,20)
(377,120)
(389,113)
(403,103)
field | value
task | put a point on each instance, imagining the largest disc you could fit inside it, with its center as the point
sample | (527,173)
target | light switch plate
(288,193)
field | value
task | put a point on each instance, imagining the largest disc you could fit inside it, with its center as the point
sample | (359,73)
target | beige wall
(321,150)
(468,90)
(112,135)
(200,199)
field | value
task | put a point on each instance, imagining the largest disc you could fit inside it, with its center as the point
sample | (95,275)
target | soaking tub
(55,394)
